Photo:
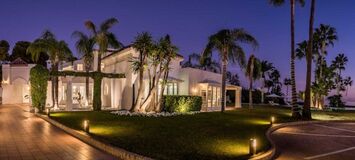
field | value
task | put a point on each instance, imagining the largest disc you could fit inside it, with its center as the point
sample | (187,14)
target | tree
(85,46)
(276,84)
(287,82)
(4,54)
(159,60)
(144,45)
(227,43)
(206,63)
(295,109)
(339,64)
(4,50)
(253,72)
(325,36)
(306,112)
(56,50)
(266,68)
(20,51)
(233,79)
(103,37)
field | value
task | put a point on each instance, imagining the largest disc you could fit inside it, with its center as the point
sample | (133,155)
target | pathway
(24,136)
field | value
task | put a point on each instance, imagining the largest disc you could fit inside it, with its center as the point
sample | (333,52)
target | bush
(335,101)
(181,104)
(39,76)
(256,96)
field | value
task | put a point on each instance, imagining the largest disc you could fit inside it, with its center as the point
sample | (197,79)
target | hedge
(179,103)
(39,76)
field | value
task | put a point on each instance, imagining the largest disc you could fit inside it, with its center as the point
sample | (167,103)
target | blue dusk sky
(189,22)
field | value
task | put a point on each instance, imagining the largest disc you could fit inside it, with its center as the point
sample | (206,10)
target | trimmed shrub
(39,76)
(181,104)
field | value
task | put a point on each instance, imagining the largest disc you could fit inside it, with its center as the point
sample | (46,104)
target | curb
(269,154)
(86,138)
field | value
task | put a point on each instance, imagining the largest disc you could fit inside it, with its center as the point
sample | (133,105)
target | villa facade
(118,93)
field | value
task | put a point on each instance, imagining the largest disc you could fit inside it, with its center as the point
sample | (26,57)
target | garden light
(48,111)
(86,125)
(252,146)
(272,120)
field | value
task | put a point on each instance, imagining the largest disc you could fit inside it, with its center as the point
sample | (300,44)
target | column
(69,98)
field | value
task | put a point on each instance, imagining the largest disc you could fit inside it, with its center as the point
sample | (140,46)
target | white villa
(116,93)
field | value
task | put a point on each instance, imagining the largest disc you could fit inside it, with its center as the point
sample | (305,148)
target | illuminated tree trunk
(306,112)
(295,110)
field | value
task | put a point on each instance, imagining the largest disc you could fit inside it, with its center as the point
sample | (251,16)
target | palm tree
(190,61)
(85,46)
(143,44)
(287,82)
(326,35)
(103,37)
(306,112)
(56,50)
(295,110)
(266,67)
(253,72)
(339,64)
(227,43)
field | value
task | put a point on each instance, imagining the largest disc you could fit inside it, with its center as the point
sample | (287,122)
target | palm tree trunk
(224,76)
(306,113)
(52,90)
(99,62)
(295,110)
(138,101)
(87,87)
(251,84)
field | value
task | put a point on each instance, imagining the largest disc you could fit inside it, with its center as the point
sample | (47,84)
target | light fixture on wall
(194,90)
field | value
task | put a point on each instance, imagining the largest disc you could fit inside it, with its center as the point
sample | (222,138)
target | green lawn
(202,136)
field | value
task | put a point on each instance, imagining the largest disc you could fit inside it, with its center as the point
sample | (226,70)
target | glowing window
(79,67)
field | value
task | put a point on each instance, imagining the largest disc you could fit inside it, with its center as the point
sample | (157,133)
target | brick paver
(24,136)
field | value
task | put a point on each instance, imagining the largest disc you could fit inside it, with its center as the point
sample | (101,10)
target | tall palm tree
(306,112)
(227,43)
(103,37)
(85,46)
(253,72)
(56,50)
(326,35)
(143,44)
(295,109)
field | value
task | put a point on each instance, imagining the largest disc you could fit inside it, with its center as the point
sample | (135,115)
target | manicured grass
(202,136)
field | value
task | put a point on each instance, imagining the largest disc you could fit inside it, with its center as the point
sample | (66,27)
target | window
(170,89)
(79,67)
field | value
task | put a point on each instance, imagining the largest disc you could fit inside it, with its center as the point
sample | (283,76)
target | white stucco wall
(15,83)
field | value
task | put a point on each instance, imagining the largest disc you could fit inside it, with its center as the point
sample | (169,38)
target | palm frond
(91,27)
(107,24)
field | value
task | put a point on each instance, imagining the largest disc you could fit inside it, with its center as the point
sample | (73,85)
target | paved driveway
(323,141)
(24,136)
